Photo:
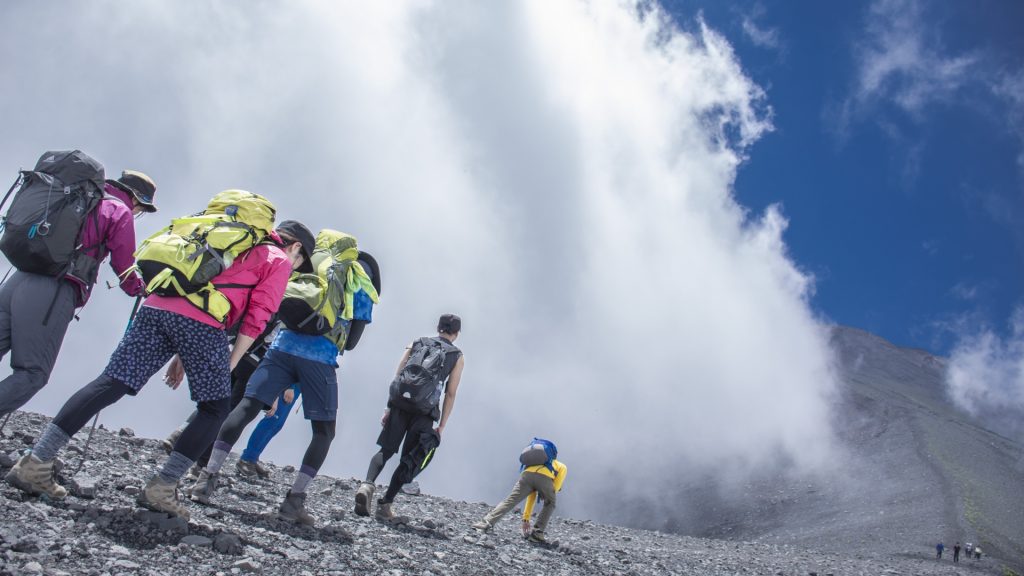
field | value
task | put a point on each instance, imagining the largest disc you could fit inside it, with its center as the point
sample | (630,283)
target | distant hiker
(62,223)
(183,324)
(977,552)
(541,473)
(969,548)
(429,366)
(956,552)
(317,311)
(938,550)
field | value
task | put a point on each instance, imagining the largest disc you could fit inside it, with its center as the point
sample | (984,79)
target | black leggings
(247,411)
(320,443)
(104,391)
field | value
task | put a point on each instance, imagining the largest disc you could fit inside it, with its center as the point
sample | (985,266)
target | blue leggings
(268,427)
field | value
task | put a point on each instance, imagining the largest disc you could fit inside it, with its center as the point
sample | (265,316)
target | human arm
(175,373)
(238,351)
(560,473)
(120,242)
(531,500)
(264,299)
(450,390)
(405,358)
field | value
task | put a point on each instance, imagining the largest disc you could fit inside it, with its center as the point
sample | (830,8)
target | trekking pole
(92,430)
(6,418)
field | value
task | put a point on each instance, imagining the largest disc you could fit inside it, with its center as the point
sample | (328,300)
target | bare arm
(401,364)
(450,391)
(242,344)
(405,358)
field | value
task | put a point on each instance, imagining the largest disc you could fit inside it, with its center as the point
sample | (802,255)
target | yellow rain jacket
(559,479)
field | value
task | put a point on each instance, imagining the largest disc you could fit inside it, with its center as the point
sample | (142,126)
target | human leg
(34,345)
(519,493)
(545,487)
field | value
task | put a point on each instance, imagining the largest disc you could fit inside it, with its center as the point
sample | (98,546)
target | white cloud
(760,36)
(901,61)
(559,173)
(986,376)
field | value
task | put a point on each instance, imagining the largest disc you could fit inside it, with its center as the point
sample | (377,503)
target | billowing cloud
(986,376)
(558,173)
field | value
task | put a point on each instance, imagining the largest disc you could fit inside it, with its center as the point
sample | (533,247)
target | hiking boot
(482,526)
(251,469)
(293,509)
(364,498)
(538,537)
(193,473)
(384,511)
(204,487)
(412,489)
(32,475)
(168,443)
(163,497)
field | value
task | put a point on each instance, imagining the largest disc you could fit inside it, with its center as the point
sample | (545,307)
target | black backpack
(42,228)
(418,387)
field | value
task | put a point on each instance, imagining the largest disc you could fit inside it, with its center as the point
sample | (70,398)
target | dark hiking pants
(25,300)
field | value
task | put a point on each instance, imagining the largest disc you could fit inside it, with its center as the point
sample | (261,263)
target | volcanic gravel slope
(99,529)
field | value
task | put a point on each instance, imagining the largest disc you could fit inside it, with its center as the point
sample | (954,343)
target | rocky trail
(98,529)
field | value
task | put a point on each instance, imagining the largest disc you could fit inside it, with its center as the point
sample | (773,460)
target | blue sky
(896,155)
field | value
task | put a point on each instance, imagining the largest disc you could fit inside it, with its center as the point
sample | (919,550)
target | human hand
(526,528)
(272,410)
(439,430)
(175,373)
(384,418)
(289,396)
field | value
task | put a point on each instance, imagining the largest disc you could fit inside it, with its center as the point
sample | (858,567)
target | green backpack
(183,259)
(321,303)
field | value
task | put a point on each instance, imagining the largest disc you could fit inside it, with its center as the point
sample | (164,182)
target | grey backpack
(418,387)
(42,228)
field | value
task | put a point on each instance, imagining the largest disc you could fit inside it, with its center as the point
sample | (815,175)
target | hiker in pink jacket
(35,310)
(171,328)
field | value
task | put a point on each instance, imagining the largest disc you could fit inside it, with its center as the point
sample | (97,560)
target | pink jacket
(266,267)
(116,237)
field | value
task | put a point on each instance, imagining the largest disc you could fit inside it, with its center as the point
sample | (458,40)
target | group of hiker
(971,550)
(252,313)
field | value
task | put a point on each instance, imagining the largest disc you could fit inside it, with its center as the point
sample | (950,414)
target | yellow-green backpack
(321,303)
(183,258)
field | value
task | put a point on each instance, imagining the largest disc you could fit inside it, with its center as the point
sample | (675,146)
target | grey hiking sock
(302,481)
(219,454)
(175,467)
(50,442)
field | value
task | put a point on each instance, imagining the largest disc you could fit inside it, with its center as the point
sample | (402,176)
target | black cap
(449,324)
(298,230)
(138,185)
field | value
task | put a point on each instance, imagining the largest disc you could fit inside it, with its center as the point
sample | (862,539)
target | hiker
(977,552)
(36,304)
(956,553)
(189,330)
(544,478)
(969,548)
(938,550)
(429,366)
(305,355)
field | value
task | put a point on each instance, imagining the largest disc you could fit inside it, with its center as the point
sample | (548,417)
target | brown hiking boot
(364,498)
(32,475)
(384,511)
(204,487)
(168,443)
(251,469)
(163,497)
(293,509)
